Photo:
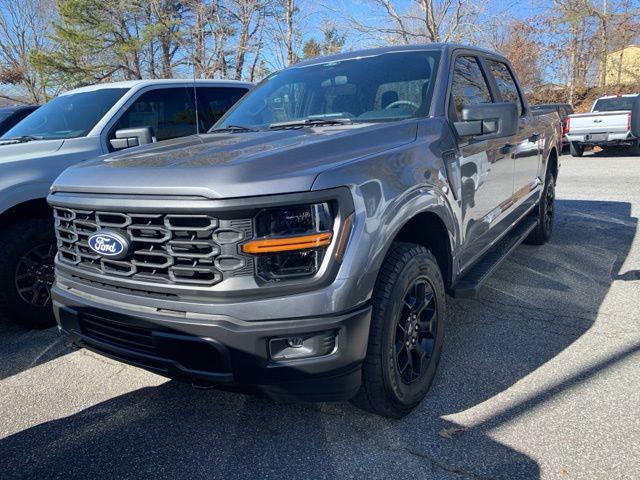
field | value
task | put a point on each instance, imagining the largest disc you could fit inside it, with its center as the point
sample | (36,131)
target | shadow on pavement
(22,348)
(536,306)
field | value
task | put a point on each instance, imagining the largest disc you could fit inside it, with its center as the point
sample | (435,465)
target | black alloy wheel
(416,331)
(27,252)
(34,275)
(549,203)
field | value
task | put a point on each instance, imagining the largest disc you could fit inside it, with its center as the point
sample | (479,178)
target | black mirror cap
(495,120)
(635,118)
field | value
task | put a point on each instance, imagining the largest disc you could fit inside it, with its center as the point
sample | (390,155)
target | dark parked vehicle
(305,245)
(563,110)
(9,116)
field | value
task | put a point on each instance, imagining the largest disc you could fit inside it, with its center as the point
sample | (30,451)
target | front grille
(178,249)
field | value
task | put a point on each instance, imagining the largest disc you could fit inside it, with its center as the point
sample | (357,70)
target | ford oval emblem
(109,244)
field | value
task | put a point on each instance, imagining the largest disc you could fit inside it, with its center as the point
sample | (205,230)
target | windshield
(612,104)
(380,88)
(5,115)
(67,116)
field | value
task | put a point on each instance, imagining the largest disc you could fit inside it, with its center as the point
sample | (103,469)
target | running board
(470,284)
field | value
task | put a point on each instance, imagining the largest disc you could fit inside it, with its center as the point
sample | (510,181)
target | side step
(469,285)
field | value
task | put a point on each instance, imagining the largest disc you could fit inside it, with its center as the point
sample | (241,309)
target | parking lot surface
(539,378)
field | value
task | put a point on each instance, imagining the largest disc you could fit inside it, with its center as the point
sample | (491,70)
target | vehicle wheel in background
(27,251)
(406,334)
(544,213)
(576,149)
(635,148)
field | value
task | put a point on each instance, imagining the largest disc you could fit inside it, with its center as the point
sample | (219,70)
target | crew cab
(305,244)
(74,127)
(608,124)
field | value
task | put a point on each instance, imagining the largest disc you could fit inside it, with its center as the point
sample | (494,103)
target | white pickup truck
(608,124)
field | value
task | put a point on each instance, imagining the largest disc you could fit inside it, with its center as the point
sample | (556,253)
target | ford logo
(109,244)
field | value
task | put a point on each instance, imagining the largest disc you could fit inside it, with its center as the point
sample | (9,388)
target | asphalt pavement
(540,378)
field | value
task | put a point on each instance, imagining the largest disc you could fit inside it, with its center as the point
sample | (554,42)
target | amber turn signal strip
(287,244)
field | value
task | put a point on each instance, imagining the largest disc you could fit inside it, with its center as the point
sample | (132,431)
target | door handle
(534,138)
(507,148)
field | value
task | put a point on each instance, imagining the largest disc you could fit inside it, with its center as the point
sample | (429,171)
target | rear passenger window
(506,83)
(469,86)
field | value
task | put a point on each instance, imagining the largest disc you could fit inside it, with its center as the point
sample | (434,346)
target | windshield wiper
(234,128)
(311,122)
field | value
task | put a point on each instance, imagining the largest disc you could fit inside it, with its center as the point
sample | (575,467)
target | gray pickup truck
(305,245)
(76,126)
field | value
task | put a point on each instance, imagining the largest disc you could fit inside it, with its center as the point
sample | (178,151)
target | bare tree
(24,27)
(423,21)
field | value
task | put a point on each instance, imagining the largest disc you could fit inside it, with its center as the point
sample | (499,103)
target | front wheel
(635,148)
(576,149)
(406,334)
(27,251)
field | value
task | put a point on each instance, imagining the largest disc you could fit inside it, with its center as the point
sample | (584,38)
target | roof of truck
(617,96)
(445,47)
(170,81)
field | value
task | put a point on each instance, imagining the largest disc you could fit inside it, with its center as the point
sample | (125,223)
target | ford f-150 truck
(305,245)
(608,124)
(76,126)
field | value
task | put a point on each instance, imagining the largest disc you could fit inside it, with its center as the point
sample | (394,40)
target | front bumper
(219,349)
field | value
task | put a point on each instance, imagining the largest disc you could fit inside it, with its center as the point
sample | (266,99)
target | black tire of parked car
(576,149)
(406,334)
(26,272)
(635,148)
(545,213)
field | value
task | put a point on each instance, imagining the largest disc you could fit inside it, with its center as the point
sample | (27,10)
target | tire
(635,148)
(394,380)
(26,272)
(545,213)
(576,149)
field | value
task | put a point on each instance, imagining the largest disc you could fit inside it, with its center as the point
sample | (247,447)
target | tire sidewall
(549,184)
(17,240)
(406,396)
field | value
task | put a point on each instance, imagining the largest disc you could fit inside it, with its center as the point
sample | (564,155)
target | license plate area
(597,137)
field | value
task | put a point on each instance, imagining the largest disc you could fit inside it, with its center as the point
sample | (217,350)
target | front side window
(506,83)
(70,115)
(214,102)
(469,86)
(379,88)
(169,112)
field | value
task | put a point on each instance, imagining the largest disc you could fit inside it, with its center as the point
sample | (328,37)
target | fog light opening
(303,346)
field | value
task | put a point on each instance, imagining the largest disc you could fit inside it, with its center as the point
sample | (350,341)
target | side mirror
(491,120)
(131,137)
(635,118)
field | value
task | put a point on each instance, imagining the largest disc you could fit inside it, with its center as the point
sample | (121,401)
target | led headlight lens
(291,241)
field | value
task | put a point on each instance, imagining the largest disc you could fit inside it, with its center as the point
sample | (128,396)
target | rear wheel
(635,148)
(407,330)
(545,211)
(576,149)
(27,251)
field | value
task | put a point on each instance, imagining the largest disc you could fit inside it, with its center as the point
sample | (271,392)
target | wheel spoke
(421,299)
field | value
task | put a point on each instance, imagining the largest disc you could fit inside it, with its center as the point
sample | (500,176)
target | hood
(10,152)
(234,164)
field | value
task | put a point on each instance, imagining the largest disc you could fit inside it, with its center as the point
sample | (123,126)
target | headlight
(291,241)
